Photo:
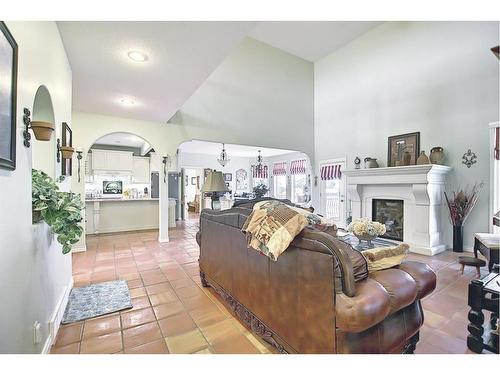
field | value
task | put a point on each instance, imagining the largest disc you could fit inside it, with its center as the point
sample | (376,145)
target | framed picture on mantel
(403,149)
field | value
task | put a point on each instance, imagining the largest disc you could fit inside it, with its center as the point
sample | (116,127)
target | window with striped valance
(260,172)
(298,166)
(331,172)
(279,169)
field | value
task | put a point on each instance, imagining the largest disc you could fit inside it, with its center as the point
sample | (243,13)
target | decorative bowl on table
(366,230)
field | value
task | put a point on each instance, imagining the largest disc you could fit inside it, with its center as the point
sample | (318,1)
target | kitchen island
(108,215)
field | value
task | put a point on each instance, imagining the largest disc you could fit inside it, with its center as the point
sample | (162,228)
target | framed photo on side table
(8,94)
(403,149)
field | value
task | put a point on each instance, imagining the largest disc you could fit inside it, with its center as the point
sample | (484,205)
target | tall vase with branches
(460,205)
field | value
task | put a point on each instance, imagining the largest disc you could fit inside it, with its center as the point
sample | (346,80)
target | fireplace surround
(420,187)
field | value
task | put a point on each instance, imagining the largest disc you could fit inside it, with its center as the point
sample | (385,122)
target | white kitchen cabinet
(98,160)
(140,170)
(154,162)
(107,160)
(88,164)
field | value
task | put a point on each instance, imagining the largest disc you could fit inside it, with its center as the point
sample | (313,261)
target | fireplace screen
(391,213)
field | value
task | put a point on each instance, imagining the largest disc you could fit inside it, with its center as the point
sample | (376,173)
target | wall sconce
(79,157)
(42,129)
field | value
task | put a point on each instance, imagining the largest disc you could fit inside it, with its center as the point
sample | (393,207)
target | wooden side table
(484,295)
(487,244)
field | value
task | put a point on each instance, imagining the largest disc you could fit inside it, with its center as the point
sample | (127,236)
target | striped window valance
(298,166)
(331,172)
(260,172)
(279,169)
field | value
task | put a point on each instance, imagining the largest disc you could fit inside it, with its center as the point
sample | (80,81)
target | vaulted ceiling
(310,40)
(179,57)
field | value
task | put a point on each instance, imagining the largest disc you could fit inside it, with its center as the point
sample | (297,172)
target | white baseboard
(125,229)
(55,320)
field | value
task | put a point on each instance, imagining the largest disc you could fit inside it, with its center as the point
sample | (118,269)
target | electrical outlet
(37,333)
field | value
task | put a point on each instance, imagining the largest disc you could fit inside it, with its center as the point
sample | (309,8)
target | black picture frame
(228,177)
(8,125)
(67,140)
(413,141)
(193,180)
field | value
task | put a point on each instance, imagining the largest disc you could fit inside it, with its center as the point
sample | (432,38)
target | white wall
(259,95)
(34,274)
(439,78)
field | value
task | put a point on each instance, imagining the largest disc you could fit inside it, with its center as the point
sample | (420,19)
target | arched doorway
(122,184)
(44,153)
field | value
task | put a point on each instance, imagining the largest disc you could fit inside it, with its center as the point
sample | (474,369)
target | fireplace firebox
(391,213)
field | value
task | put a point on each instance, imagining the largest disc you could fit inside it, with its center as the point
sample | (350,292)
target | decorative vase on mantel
(437,155)
(423,159)
(458,238)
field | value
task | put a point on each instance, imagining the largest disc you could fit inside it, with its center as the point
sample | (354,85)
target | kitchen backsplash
(93,188)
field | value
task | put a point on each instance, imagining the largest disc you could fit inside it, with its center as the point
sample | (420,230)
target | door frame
(343,192)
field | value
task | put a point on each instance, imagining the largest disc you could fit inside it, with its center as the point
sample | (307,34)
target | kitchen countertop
(91,200)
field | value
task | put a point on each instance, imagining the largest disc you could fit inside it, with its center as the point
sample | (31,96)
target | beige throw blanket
(385,257)
(273,225)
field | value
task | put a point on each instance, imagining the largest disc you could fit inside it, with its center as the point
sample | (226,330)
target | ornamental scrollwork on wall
(469,158)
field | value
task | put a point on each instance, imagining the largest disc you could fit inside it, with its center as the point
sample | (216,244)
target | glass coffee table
(363,245)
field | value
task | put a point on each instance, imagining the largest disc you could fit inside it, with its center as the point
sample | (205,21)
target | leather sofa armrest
(369,306)
(323,242)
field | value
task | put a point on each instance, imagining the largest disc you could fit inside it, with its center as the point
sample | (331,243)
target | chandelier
(223,158)
(260,166)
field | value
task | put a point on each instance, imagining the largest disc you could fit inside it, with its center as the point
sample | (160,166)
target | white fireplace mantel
(421,189)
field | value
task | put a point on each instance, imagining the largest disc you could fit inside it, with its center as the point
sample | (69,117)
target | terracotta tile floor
(173,314)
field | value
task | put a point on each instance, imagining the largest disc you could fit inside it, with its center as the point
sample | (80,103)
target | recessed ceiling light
(127,101)
(137,56)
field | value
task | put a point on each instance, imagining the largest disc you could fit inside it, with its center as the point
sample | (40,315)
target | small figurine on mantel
(357,163)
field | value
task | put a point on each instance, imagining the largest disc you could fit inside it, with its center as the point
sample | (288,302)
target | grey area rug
(97,299)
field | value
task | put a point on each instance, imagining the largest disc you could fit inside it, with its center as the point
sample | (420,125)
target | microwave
(112,187)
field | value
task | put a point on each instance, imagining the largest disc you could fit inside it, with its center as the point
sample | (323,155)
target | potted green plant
(260,190)
(62,211)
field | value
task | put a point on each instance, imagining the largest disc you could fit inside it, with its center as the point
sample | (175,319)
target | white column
(163,212)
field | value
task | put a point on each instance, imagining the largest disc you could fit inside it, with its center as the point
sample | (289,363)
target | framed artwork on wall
(228,177)
(193,180)
(241,180)
(206,171)
(403,149)
(67,140)
(8,95)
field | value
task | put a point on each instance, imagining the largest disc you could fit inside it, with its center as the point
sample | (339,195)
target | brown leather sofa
(318,297)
